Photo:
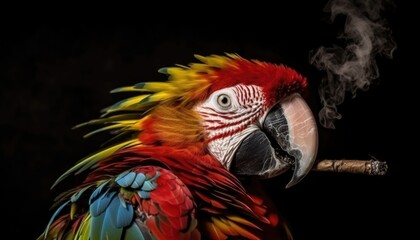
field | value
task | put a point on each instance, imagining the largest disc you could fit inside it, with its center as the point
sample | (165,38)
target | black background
(55,75)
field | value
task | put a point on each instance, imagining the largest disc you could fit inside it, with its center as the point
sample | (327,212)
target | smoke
(353,67)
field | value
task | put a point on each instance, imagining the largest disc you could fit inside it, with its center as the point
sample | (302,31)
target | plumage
(91,160)
(138,181)
(55,215)
(122,213)
(78,194)
(83,232)
(126,103)
(101,203)
(126,180)
(136,232)
(98,191)
(164,174)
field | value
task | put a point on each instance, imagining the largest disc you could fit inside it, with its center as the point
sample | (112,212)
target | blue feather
(109,229)
(137,230)
(122,200)
(138,181)
(110,223)
(99,205)
(144,194)
(77,195)
(126,180)
(53,217)
(122,175)
(121,215)
(148,185)
(109,233)
(96,227)
(98,191)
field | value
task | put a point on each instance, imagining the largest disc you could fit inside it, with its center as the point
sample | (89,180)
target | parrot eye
(224,101)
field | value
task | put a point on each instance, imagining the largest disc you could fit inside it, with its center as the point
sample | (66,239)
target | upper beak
(292,125)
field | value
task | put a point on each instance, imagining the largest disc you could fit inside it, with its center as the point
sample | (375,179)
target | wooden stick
(368,167)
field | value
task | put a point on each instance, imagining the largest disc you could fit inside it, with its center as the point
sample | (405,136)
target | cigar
(368,167)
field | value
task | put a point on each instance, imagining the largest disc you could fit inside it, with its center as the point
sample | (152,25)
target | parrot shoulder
(145,202)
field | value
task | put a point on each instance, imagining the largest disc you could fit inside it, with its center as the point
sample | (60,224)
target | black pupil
(225,100)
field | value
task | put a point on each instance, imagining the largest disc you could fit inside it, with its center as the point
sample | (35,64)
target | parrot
(186,153)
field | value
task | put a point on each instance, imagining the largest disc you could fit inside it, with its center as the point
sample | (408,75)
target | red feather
(277,81)
(170,208)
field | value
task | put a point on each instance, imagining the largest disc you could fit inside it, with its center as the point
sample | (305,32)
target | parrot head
(249,115)
(255,120)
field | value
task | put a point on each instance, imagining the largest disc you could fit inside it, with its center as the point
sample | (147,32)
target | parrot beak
(292,126)
(288,138)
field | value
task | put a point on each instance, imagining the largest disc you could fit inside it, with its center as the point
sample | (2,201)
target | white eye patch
(224,100)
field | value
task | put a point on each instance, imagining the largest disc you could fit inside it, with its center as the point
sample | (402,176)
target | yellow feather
(109,119)
(120,125)
(160,86)
(110,127)
(84,229)
(214,60)
(181,66)
(178,74)
(199,67)
(140,107)
(138,124)
(157,97)
(242,231)
(225,228)
(242,221)
(126,103)
(126,89)
(73,210)
(69,236)
(214,232)
(95,158)
(233,55)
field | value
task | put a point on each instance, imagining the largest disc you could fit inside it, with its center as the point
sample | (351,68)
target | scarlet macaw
(172,171)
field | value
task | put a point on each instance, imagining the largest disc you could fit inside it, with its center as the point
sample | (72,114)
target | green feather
(157,87)
(163,70)
(157,97)
(139,86)
(110,119)
(126,103)
(121,127)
